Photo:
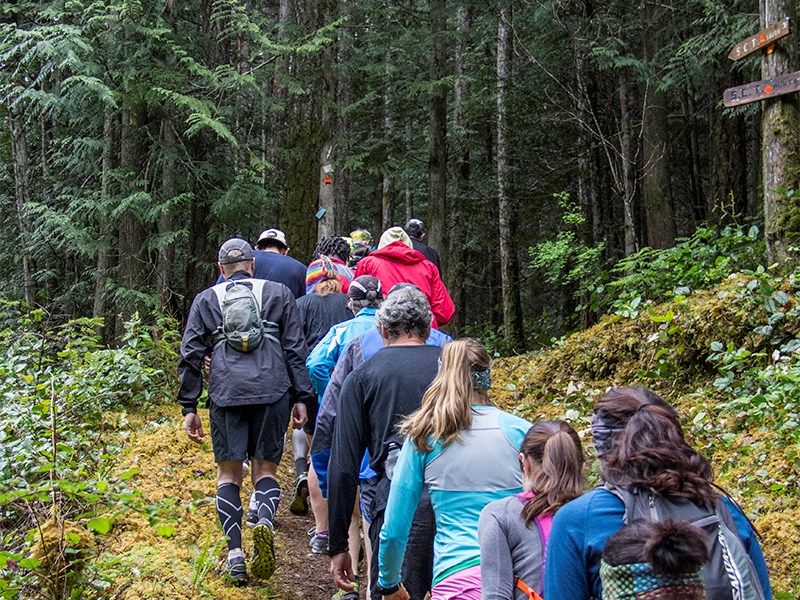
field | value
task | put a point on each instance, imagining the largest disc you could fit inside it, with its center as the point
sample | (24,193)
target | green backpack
(242,326)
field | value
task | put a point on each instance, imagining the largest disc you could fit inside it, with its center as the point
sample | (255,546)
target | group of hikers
(393,431)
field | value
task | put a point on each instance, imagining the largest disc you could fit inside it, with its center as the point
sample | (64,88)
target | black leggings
(417,572)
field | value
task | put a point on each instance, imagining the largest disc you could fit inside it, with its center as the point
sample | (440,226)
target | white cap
(273,234)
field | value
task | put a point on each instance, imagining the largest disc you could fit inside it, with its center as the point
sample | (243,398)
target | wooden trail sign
(761,90)
(763,38)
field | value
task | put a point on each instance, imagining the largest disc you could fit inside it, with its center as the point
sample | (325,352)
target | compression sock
(300,451)
(268,493)
(229,511)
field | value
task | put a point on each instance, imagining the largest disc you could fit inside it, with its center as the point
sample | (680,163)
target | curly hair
(333,245)
(649,451)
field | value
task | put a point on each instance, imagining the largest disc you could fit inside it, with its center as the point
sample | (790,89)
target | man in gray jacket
(249,399)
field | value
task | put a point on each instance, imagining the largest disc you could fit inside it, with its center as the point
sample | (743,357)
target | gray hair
(406,311)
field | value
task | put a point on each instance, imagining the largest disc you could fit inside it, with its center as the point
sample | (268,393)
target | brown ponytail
(557,455)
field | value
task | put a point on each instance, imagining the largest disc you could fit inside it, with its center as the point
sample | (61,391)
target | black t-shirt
(373,400)
(320,313)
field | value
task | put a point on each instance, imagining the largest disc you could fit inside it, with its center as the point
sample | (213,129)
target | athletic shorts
(461,585)
(251,431)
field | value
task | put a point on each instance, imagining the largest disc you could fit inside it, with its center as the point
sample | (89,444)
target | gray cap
(235,250)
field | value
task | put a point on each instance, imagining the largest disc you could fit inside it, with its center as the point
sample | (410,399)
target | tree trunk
(458,234)
(22,194)
(628,165)
(104,237)
(659,215)
(132,233)
(512,321)
(387,197)
(780,145)
(166,251)
(409,193)
(326,224)
(437,148)
(344,97)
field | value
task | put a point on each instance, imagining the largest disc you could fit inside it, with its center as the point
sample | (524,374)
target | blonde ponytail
(446,410)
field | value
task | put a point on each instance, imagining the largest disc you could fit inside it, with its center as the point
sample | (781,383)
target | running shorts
(251,431)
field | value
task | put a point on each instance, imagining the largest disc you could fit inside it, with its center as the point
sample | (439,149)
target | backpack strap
(526,589)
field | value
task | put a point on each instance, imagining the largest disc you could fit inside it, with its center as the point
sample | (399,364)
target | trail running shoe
(263,563)
(235,571)
(299,504)
(342,595)
(319,543)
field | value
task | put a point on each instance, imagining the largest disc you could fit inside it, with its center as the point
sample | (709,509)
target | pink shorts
(463,585)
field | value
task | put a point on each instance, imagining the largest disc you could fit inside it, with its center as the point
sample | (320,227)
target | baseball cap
(234,250)
(415,228)
(273,234)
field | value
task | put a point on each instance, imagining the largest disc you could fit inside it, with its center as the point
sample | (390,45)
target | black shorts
(252,431)
(312,408)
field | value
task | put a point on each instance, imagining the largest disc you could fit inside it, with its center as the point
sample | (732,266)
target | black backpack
(242,326)
(728,573)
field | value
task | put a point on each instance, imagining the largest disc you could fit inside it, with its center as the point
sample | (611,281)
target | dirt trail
(182,474)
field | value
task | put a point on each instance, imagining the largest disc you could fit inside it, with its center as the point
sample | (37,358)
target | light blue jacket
(326,353)
(480,467)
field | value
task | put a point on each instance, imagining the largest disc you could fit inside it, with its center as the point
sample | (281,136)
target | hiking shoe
(235,571)
(299,504)
(263,563)
(319,543)
(342,595)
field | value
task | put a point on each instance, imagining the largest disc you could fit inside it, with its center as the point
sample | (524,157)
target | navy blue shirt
(280,269)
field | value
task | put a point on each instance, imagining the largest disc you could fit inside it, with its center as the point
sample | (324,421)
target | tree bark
(455,276)
(437,148)
(104,237)
(512,318)
(387,196)
(22,195)
(659,215)
(780,144)
(326,225)
(628,165)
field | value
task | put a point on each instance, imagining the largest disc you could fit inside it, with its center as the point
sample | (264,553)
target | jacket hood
(398,252)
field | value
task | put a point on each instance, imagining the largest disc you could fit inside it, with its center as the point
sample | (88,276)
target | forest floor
(185,563)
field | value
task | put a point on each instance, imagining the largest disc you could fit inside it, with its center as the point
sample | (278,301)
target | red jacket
(397,263)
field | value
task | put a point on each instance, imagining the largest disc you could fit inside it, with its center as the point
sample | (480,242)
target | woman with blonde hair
(513,532)
(464,451)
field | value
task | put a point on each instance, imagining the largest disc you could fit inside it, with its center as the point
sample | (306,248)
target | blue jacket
(325,355)
(357,352)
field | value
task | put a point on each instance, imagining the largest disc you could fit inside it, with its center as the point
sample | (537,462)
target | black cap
(235,250)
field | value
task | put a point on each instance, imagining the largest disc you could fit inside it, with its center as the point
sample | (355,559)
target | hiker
(365,297)
(655,560)
(338,251)
(352,354)
(273,263)
(513,531)
(363,238)
(416,231)
(372,400)
(325,305)
(395,261)
(249,393)
(647,467)
(463,451)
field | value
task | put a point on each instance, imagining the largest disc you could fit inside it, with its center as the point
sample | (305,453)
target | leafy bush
(58,444)
(698,262)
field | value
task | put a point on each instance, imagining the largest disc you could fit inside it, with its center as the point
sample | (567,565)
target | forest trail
(183,474)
